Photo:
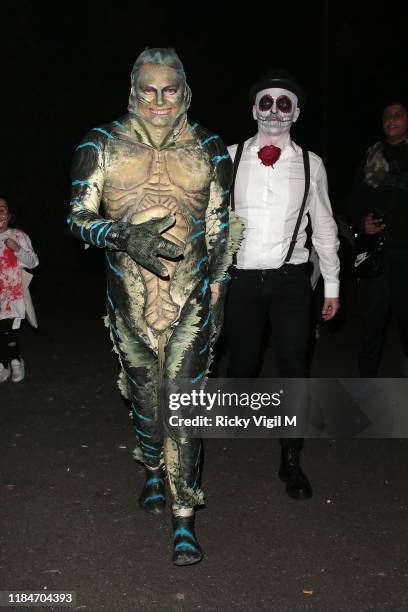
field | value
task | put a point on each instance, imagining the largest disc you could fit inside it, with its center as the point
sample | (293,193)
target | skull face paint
(275,110)
(283,103)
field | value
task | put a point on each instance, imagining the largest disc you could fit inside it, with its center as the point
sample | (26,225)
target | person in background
(16,253)
(379,204)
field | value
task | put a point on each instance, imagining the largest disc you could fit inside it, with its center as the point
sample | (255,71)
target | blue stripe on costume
(218,158)
(93,227)
(197,234)
(209,139)
(183,532)
(78,182)
(141,433)
(112,267)
(203,349)
(153,497)
(198,377)
(110,301)
(185,546)
(196,221)
(199,264)
(204,287)
(139,415)
(88,144)
(206,321)
(104,132)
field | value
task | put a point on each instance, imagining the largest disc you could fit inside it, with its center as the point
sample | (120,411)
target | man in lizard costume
(162,183)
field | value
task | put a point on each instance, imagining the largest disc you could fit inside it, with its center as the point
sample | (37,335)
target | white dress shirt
(268,199)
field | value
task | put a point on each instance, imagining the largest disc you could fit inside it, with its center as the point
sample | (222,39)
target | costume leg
(149,432)
(187,357)
(138,382)
(183,462)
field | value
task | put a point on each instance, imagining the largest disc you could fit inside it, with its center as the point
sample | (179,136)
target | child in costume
(16,253)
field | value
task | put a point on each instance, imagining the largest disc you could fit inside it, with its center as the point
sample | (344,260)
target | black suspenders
(237,159)
(306,165)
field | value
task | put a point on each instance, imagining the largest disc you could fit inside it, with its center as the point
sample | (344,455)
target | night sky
(67,70)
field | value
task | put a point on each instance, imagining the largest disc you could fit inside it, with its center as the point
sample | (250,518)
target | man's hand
(373,225)
(330,308)
(12,244)
(144,243)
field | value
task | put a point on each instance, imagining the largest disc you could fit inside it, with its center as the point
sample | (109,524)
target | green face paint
(159,91)
(160,96)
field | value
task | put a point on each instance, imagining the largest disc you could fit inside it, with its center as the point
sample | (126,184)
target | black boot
(186,549)
(290,472)
(152,498)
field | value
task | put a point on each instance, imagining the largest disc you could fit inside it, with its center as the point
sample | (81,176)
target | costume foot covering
(152,498)
(186,549)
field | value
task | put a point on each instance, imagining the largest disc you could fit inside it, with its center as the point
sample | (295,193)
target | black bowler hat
(280,79)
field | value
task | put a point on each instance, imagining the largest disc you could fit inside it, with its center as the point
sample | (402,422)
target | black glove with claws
(144,243)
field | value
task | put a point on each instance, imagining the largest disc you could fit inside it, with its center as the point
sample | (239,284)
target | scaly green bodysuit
(162,327)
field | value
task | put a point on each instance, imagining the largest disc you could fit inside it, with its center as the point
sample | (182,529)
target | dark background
(69,485)
(66,69)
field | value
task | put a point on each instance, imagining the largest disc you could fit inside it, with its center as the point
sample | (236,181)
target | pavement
(68,486)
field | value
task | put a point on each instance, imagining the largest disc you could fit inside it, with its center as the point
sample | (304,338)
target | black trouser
(283,297)
(377,296)
(8,336)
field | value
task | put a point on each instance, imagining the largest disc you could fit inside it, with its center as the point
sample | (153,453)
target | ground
(69,513)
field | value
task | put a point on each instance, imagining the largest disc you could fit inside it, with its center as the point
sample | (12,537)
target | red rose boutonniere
(269,155)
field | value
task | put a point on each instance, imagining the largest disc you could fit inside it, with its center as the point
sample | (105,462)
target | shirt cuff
(331,290)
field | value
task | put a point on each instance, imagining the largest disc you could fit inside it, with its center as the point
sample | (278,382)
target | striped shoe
(186,549)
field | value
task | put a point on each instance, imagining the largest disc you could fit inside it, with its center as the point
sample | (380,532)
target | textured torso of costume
(143,183)
(117,170)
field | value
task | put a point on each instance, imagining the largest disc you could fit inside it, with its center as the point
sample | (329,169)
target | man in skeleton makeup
(162,183)
(276,187)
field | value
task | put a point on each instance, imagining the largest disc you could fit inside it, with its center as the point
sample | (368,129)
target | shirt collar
(289,149)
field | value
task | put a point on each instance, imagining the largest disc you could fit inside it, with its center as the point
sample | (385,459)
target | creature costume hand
(144,242)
